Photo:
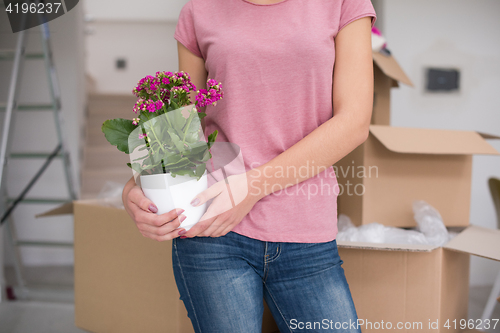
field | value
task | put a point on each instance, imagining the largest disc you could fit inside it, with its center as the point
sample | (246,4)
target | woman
(293,114)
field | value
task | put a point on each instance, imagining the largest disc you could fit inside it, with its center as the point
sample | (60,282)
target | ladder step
(30,107)
(9,55)
(33,155)
(40,201)
(46,292)
(44,243)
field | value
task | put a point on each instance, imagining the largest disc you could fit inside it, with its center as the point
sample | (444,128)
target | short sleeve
(185,31)
(355,9)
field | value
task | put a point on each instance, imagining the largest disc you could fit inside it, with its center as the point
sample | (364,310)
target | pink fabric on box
(275,63)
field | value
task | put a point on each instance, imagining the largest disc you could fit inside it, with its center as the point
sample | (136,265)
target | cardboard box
(124,282)
(387,73)
(379,180)
(415,283)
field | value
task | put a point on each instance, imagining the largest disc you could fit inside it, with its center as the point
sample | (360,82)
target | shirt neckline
(264,5)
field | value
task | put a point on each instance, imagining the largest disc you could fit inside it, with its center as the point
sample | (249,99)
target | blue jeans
(223,281)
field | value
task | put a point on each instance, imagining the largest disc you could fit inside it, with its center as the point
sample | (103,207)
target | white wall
(34,131)
(134,11)
(451,34)
(143,35)
(109,41)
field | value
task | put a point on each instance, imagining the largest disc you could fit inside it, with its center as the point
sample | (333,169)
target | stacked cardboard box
(411,287)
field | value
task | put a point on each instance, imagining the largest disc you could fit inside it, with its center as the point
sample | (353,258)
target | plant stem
(191,116)
(156,137)
(164,109)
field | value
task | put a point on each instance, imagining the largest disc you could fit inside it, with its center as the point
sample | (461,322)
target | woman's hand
(143,212)
(231,202)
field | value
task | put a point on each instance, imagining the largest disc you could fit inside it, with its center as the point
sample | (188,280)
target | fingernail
(183,237)
(195,202)
(153,208)
(182,232)
(179,211)
(182,218)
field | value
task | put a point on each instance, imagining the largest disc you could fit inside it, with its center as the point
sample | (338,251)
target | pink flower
(138,105)
(135,121)
(156,92)
(210,96)
(159,105)
(142,136)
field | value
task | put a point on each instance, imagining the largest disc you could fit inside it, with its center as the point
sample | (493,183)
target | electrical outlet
(442,80)
(121,63)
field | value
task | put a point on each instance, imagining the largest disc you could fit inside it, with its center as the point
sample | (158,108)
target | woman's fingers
(144,210)
(162,238)
(224,231)
(141,216)
(220,223)
(137,197)
(217,218)
(228,225)
(199,227)
(220,217)
(167,217)
(208,194)
(158,227)
(163,229)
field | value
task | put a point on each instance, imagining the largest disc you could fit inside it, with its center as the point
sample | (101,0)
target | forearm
(316,152)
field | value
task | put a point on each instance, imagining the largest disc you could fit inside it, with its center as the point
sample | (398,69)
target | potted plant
(166,143)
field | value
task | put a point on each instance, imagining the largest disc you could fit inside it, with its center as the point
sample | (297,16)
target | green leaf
(206,156)
(212,137)
(193,130)
(200,170)
(146,116)
(181,163)
(136,167)
(173,104)
(199,157)
(171,159)
(117,132)
(176,140)
(142,158)
(177,120)
(134,141)
(183,172)
(196,148)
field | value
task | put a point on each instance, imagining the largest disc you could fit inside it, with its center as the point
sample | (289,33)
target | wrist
(256,184)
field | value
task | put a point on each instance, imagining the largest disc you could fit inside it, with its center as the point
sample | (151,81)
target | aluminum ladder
(10,108)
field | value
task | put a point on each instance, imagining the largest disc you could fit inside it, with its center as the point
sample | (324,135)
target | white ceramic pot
(169,192)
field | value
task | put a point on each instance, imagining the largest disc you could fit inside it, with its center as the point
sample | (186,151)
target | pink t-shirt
(275,63)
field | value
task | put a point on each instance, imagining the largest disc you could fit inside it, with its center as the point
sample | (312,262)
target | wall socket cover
(442,79)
